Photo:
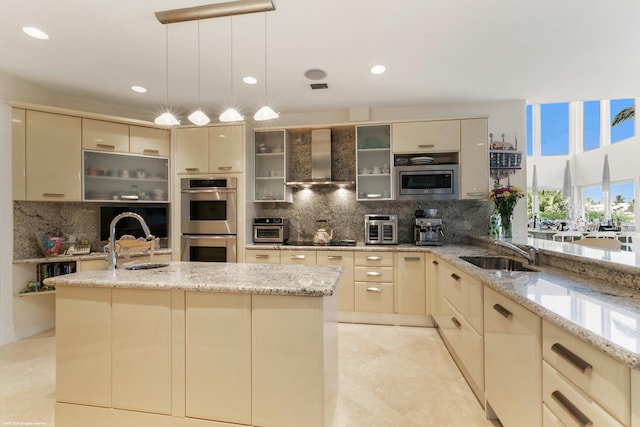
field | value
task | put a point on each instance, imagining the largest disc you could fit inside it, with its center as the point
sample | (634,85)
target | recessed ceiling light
(378,69)
(35,33)
(138,89)
(315,74)
(250,80)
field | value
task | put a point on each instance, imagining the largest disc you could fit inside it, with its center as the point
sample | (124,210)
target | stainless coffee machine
(427,230)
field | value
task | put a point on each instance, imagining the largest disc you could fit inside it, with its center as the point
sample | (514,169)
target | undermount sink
(145,265)
(496,263)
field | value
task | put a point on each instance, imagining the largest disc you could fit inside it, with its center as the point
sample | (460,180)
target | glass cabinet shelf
(373,161)
(270,156)
(121,177)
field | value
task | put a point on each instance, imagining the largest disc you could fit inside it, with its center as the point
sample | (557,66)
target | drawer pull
(571,409)
(106,146)
(150,151)
(262,256)
(434,262)
(425,145)
(456,322)
(374,258)
(374,290)
(53,194)
(454,276)
(298,256)
(224,168)
(475,193)
(503,311)
(571,357)
(192,169)
(334,257)
(373,273)
(412,258)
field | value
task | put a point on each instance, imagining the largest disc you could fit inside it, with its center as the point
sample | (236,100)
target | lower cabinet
(410,283)
(345,286)
(513,371)
(262,256)
(298,257)
(374,282)
(102,264)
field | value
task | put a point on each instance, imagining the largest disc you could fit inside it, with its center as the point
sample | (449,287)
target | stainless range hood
(320,163)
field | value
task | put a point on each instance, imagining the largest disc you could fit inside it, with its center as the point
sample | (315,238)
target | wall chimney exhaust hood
(320,163)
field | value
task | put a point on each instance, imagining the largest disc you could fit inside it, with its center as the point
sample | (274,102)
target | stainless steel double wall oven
(209,219)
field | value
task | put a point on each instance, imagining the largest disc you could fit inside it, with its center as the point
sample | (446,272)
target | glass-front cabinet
(373,162)
(124,177)
(271,166)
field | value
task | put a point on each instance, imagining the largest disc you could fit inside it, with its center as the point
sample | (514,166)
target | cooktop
(310,243)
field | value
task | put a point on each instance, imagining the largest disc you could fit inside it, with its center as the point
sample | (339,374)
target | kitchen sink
(496,263)
(145,265)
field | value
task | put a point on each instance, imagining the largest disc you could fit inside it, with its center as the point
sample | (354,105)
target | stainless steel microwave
(428,182)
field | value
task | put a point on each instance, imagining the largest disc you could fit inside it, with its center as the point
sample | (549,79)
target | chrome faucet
(112,234)
(531,254)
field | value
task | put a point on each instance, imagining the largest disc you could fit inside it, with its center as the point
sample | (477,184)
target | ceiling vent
(319,86)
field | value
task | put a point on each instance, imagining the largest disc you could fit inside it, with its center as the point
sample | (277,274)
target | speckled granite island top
(300,280)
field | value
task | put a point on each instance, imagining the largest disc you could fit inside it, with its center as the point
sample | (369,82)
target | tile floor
(389,376)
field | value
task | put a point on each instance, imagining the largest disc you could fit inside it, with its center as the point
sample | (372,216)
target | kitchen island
(197,344)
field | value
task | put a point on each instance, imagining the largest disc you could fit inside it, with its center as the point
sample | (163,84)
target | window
(554,129)
(529,130)
(591,125)
(624,129)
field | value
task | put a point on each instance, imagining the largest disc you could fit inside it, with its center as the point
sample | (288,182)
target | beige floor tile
(389,376)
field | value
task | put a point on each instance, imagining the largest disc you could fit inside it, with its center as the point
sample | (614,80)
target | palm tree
(624,114)
(618,199)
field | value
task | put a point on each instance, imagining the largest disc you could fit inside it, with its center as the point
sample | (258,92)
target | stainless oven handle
(217,190)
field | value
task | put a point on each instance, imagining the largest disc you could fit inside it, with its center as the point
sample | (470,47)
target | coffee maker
(427,230)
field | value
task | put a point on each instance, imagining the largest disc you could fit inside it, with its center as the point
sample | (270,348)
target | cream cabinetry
(374,282)
(262,256)
(100,135)
(102,264)
(149,141)
(374,158)
(605,382)
(53,157)
(298,257)
(345,286)
(513,372)
(18,163)
(213,149)
(271,166)
(635,401)
(463,292)
(474,158)
(410,283)
(426,137)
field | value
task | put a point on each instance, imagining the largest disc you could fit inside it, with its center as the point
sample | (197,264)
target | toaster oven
(381,229)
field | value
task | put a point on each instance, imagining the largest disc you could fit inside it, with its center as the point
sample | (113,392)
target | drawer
(374,274)
(505,315)
(263,256)
(453,288)
(377,259)
(298,257)
(334,258)
(549,419)
(606,380)
(571,405)
(374,297)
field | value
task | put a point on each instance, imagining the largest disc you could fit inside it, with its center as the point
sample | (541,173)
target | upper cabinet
(373,162)
(53,156)
(271,166)
(149,141)
(213,149)
(18,163)
(426,137)
(101,135)
(474,155)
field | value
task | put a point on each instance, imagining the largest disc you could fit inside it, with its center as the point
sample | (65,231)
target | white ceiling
(434,51)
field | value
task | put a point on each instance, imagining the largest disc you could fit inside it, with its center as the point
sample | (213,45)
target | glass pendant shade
(265,113)
(231,115)
(199,118)
(166,119)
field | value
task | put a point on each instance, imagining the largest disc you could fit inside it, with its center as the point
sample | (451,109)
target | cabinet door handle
(412,258)
(262,256)
(571,357)
(192,169)
(224,168)
(503,311)
(374,258)
(106,146)
(298,257)
(571,409)
(434,262)
(373,273)
(475,193)
(454,276)
(425,145)
(334,257)
(150,151)
(456,322)
(53,194)
(374,290)
(129,196)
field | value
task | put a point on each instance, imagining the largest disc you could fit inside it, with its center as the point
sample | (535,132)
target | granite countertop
(86,257)
(271,279)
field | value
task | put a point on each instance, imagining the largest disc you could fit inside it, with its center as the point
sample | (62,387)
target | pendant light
(266,112)
(231,114)
(166,118)
(198,117)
